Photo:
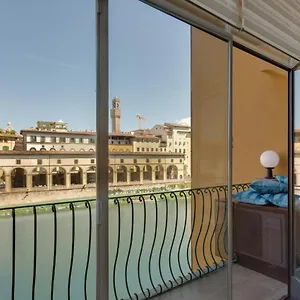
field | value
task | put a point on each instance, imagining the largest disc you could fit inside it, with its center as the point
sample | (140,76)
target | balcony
(165,245)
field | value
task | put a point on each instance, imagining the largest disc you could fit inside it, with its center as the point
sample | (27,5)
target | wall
(260,116)
(120,148)
(209,110)
(260,112)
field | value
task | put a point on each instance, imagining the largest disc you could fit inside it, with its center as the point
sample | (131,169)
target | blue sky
(48,63)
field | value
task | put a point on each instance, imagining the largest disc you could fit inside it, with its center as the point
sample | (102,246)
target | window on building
(59,161)
(39,161)
(119,142)
(62,139)
(53,139)
(183,150)
(179,150)
(42,139)
(175,150)
(121,160)
(159,160)
(175,143)
(152,149)
(183,143)
(92,141)
(143,149)
(172,160)
(180,160)
(156,149)
(72,140)
(5,148)
(170,144)
(81,140)
(18,161)
(138,149)
(76,161)
(147,149)
(135,161)
(93,161)
(147,160)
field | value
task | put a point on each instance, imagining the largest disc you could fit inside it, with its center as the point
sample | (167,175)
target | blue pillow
(282,179)
(250,197)
(267,186)
(280,200)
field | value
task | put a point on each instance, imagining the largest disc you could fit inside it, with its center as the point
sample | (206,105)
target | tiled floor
(247,285)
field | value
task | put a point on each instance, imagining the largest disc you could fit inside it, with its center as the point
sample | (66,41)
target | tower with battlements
(115,114)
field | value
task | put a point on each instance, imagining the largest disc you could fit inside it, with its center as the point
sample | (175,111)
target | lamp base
(269,173)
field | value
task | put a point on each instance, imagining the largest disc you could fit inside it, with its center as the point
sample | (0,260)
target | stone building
(8,138)
(55,136)
(176,138)
(52,170)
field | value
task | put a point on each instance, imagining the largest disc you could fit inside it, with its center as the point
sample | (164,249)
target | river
(25,249)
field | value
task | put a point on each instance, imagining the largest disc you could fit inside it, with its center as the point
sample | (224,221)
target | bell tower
(115,115)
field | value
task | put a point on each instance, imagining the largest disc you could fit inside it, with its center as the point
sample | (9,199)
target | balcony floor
(247,285)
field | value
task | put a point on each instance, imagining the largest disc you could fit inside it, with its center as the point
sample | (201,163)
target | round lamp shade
(269,159)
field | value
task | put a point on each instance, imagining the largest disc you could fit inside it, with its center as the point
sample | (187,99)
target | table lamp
(269,159)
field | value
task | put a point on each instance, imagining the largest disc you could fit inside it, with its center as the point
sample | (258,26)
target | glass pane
(209,69)
(150,151)
(260,123)
(296,250)
(47,149)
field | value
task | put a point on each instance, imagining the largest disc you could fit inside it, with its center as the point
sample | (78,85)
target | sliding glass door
(295,187)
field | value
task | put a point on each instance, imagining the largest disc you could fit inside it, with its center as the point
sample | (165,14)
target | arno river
(44,259)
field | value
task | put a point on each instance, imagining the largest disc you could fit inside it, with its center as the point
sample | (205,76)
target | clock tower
(115,115)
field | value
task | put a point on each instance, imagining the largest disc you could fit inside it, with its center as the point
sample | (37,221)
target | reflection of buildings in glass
(297,161)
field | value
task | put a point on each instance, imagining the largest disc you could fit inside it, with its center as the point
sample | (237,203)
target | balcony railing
(157,242)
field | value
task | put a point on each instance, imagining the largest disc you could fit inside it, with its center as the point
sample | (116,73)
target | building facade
(176,138)
(55,136)
(8,138)
(49,170)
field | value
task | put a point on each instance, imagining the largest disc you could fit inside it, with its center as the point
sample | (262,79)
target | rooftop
(85,153)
